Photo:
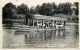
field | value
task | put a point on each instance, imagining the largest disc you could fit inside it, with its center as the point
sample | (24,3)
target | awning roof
(50,17)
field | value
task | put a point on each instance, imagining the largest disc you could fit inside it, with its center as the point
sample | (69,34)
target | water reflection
(44,38)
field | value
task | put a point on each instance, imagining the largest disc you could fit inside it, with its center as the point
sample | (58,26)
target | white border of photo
(3,2)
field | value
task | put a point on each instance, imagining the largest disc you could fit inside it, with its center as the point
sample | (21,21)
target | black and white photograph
(40,24)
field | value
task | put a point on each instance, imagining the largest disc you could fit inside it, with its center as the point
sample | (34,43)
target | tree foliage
(8,11)
(22,9)
(77,8)
(48,9)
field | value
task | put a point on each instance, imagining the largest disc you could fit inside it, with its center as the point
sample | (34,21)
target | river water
(18,40)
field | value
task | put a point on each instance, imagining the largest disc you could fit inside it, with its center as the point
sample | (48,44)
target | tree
(54,6)
(77,8)
(45,9)
(65,8)
(22,9)
(37,9)
(9,11)
(32,10)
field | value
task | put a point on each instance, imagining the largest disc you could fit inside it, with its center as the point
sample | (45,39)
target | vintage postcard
(40,24)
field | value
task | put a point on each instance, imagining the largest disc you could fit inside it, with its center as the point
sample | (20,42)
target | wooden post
(33,22)
(55,26)
(37,22)
(43,29)
(64,28)
(28,22)
(51,31)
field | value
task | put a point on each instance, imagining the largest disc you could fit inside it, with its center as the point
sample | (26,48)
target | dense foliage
(48,9)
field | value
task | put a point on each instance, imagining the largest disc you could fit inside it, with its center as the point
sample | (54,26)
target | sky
(31,3)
